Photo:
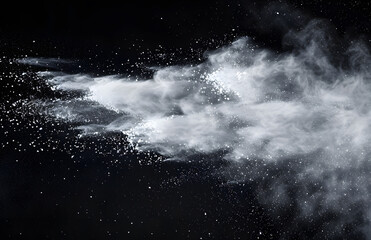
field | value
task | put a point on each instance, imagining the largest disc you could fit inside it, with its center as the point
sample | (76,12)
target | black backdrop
(170,23)
(49,195)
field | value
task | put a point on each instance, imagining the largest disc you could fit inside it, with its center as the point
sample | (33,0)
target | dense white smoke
(252,104)
(249,101)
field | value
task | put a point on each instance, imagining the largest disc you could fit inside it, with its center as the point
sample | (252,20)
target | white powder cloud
(253,104)
(250,101)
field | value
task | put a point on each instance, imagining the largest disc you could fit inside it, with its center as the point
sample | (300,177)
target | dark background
(171,24)
(83,189)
